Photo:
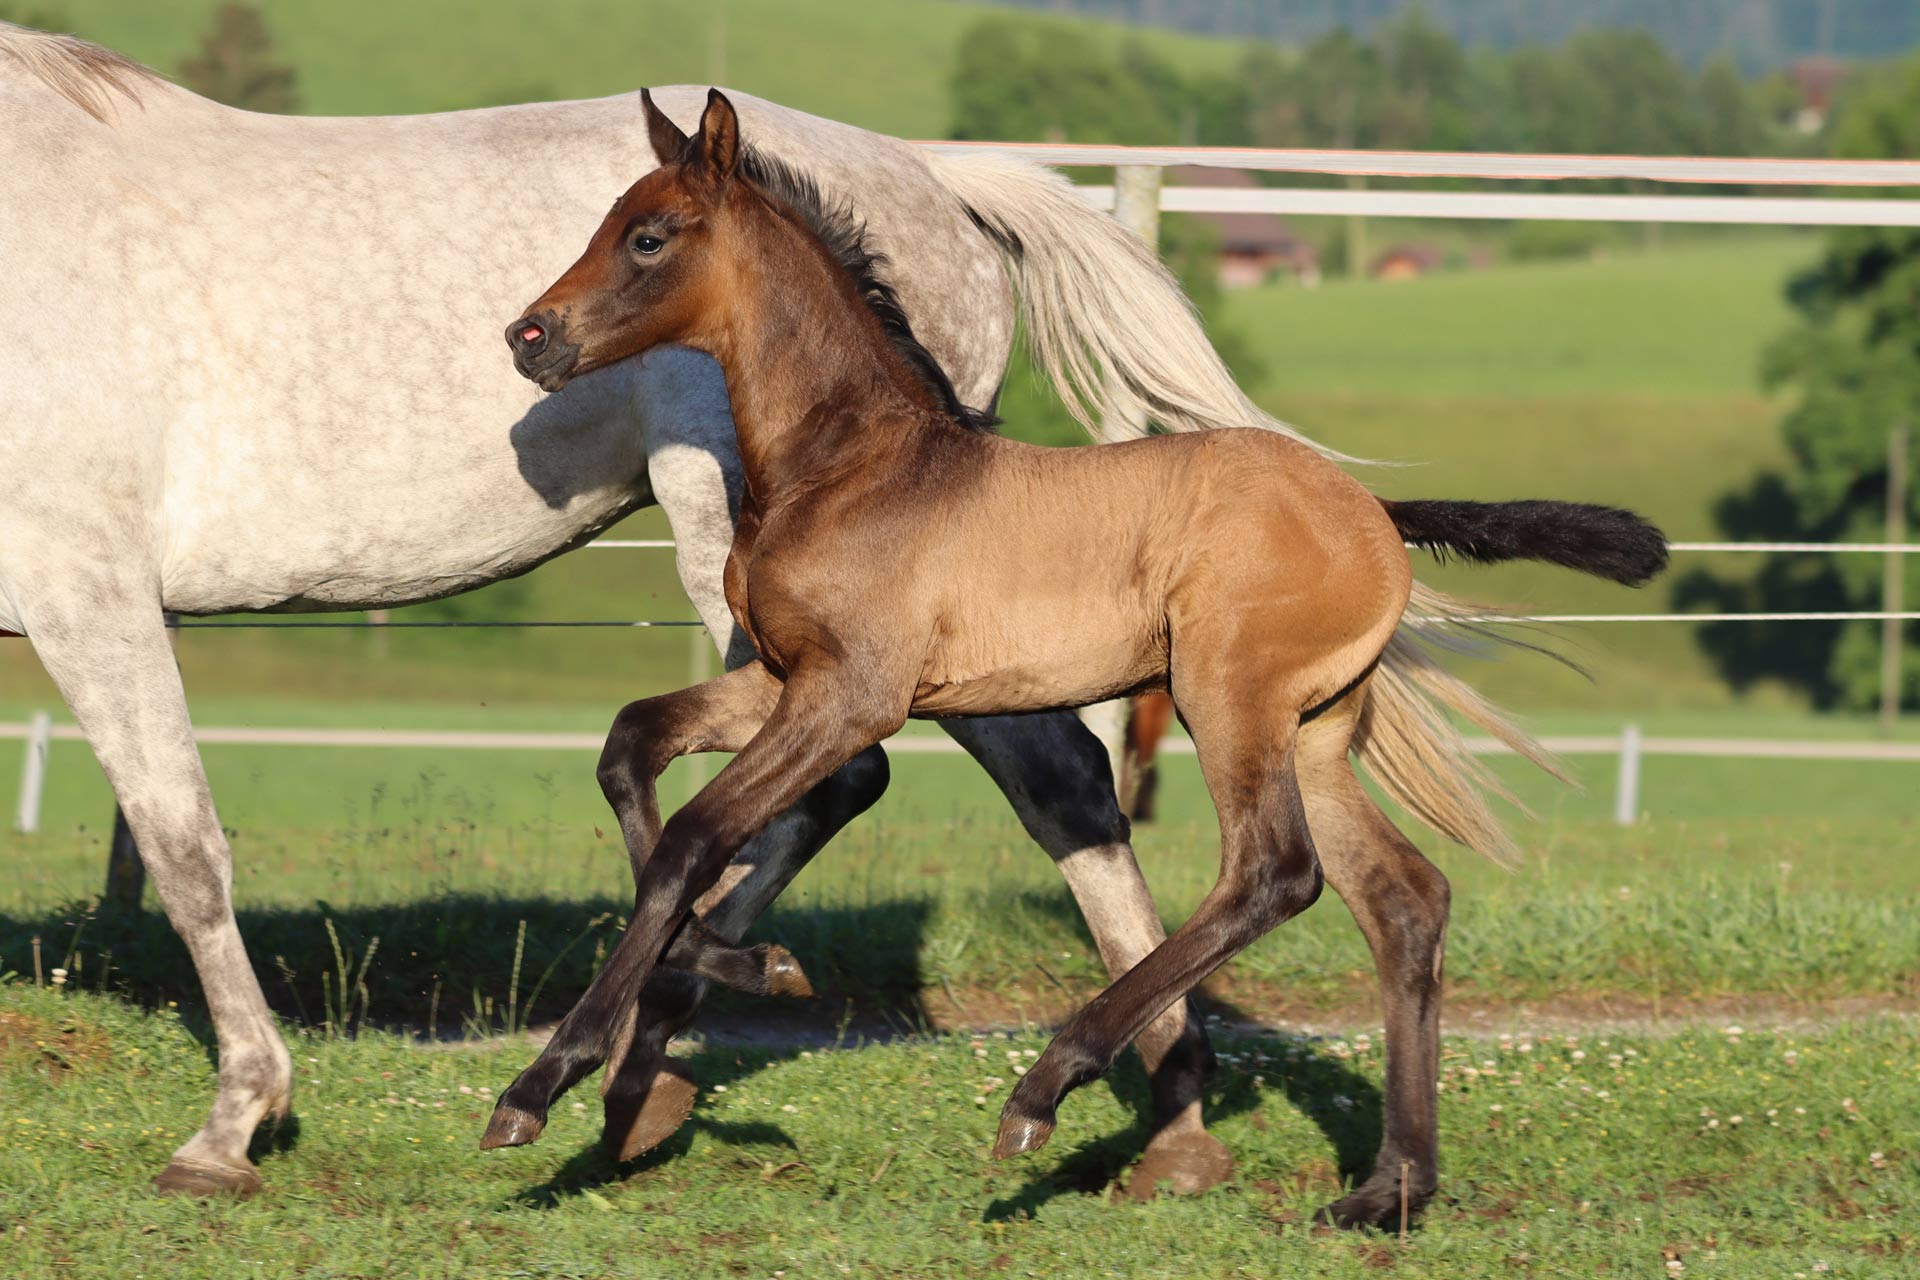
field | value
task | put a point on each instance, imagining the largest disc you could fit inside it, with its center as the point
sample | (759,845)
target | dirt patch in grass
(1246,1006)
(58,1048)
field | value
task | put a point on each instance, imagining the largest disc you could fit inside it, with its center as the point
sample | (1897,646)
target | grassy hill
(884,66)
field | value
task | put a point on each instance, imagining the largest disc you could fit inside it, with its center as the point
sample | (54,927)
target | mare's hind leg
(1400,901)
(109,655)
(1268,873)
(1055,773)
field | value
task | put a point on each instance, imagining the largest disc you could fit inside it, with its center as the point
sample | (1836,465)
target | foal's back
(1061,576)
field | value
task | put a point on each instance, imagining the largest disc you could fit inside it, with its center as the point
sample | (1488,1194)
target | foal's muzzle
(540,351)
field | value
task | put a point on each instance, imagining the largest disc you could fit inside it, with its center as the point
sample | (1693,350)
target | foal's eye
(648,245)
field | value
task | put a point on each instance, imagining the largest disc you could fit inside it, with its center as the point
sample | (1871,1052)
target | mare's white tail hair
(1123,346)
(84,74)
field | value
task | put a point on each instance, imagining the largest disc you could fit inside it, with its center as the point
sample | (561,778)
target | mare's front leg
(109,654)
(822,720)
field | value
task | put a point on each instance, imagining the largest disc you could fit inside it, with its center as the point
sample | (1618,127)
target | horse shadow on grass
(474,966)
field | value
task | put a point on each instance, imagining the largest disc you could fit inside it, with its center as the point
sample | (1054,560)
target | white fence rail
(1630,745)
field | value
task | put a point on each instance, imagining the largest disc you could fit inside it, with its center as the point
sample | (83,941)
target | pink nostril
(532,333)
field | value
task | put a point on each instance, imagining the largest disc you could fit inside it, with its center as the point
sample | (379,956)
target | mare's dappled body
(894,559)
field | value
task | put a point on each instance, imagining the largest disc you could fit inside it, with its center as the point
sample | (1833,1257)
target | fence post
(1626,792)
(33,773)
(1893,584)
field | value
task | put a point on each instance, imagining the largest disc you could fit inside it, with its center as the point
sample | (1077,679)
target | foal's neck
(815,381)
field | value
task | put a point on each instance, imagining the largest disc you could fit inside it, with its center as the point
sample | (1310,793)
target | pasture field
(884,66)
(1754,884)
(1731,1152)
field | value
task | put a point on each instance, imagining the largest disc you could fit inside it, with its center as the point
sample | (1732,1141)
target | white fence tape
(1756,171)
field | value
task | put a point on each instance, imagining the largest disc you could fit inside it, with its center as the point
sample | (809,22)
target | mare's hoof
(1188,1163)
(511,1127)
(784,976)
(1020,1132)
(637,1123)
(1375,1203)
(200,1178)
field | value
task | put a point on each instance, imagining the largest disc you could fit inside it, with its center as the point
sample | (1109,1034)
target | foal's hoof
(1375,1203)
(199,1178)
(637,1123)
(511,1127)
(1188,1162)
(1021,1132)
(784,975)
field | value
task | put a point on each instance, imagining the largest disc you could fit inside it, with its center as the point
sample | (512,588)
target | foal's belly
(1042,672)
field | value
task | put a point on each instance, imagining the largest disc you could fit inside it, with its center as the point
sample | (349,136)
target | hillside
(884,66)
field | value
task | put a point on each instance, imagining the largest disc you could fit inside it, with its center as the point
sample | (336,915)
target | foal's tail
(1406,736)
(1120,340)
(1605,541)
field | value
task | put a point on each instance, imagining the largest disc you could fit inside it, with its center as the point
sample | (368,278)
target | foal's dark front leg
(817,726)
(646,1094)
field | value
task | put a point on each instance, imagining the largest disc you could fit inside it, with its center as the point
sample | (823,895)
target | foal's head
(656,268)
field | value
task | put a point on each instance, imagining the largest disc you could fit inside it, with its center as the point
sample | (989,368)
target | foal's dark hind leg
(1268,874)
(1400,901)
(1055,773)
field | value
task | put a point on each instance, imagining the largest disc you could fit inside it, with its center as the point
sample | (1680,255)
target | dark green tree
(238,65)
(1853,362)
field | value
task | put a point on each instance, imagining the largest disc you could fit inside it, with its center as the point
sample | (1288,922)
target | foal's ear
(719,137)
(669,143)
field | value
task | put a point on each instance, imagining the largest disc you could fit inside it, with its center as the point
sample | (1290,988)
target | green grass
(884,66)
(1758,1154)
(1771,882)
(1680,321)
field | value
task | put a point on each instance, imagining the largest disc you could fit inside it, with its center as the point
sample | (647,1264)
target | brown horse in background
(896,559)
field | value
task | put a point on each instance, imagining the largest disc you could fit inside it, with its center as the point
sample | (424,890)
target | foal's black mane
(845,239)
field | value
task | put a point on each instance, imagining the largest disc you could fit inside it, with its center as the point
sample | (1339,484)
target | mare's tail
(1121,342)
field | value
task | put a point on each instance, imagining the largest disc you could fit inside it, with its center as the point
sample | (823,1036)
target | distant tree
(1023,80)
(237,64)
(1853,359)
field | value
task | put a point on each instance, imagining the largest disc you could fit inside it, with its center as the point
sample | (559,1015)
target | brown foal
(895,559)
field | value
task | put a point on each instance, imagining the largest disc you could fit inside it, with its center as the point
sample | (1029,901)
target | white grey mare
(212,399)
